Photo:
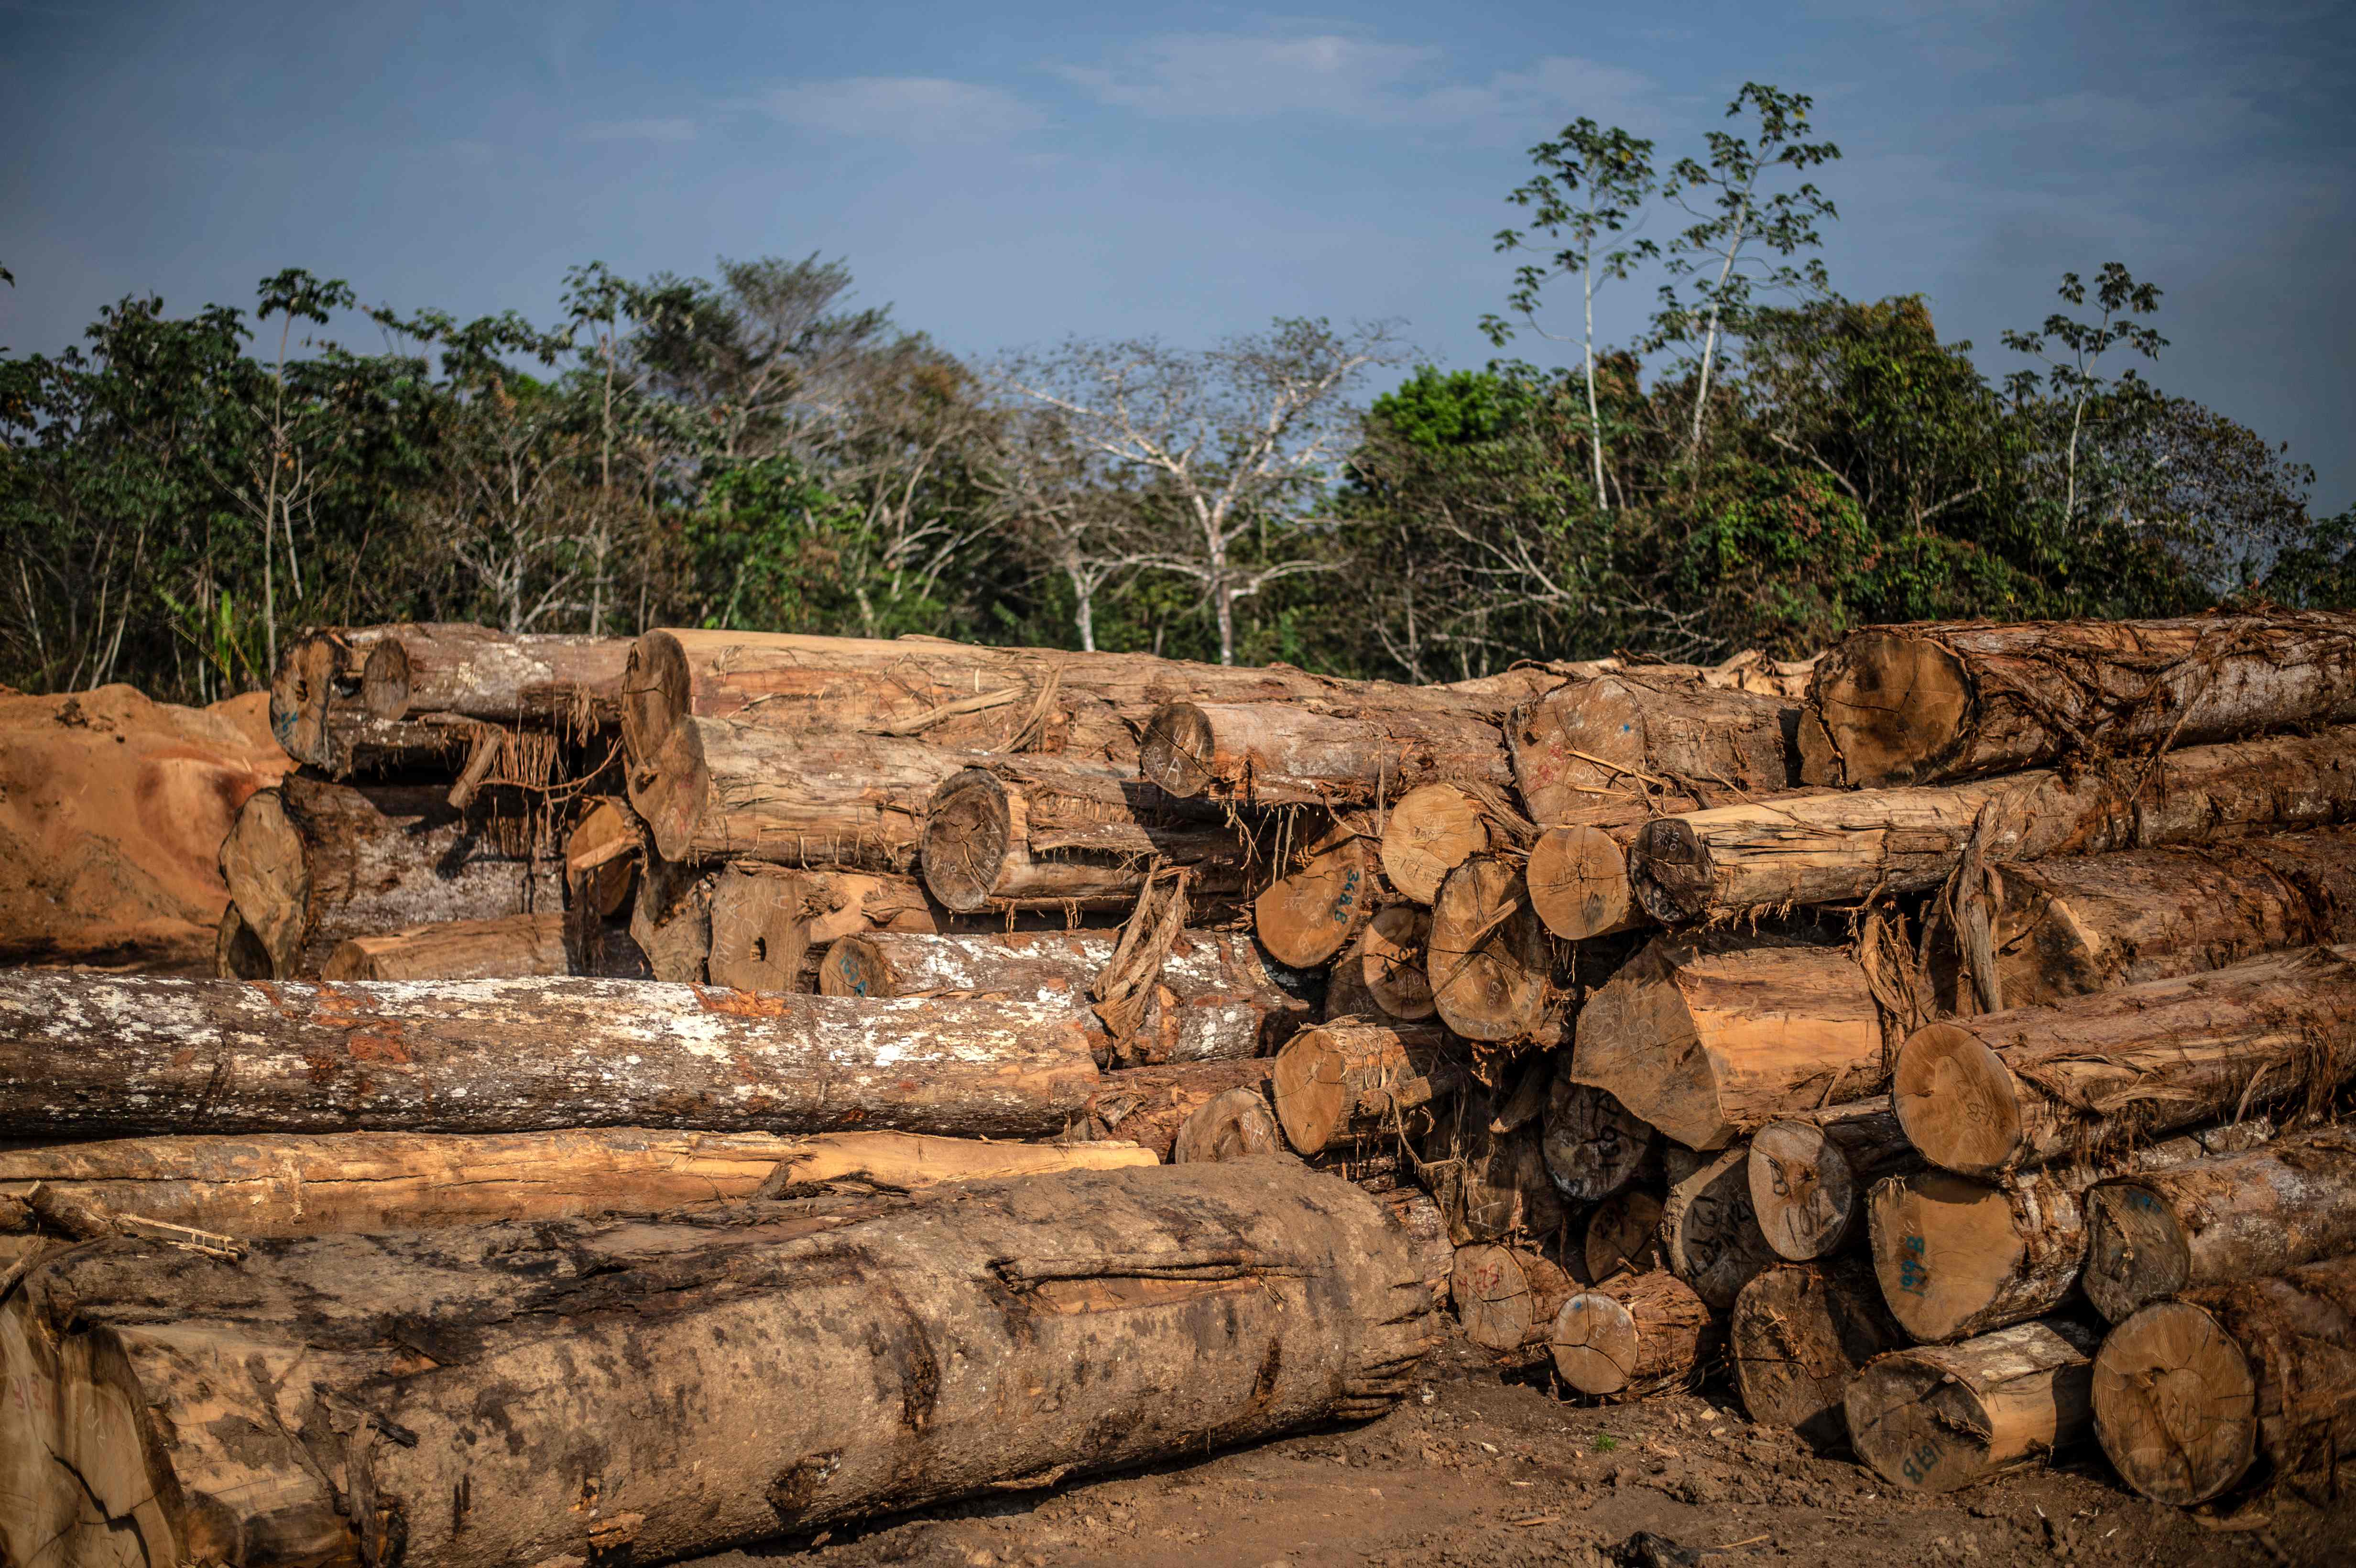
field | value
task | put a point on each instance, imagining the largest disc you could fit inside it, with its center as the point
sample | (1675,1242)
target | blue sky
(1005,175)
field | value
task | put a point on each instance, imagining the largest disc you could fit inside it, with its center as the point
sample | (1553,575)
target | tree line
(1766,465)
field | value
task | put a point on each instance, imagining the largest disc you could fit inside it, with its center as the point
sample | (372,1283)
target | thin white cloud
(663,131)
(904,109)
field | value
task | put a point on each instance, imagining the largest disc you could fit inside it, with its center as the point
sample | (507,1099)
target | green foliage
(1434,408)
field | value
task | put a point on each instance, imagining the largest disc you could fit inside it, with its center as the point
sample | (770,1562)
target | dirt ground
(1480,1469)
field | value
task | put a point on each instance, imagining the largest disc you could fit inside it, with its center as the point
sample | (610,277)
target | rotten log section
(1796,1339)
(84,1055)
(2191,1394)
(1705,1034)
(2213,1222)
(1894,705)
(1938,1418)
(1988,1095)
(1842,845)
(1000,1332)
(1635,1335)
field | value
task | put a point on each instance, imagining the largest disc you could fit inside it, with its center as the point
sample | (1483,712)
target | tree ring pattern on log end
(1895,707)
(1593,1341)
(1176,752)
(384,680)
(965,840)
(1957,1101)
(2176,1404)
(1579,884)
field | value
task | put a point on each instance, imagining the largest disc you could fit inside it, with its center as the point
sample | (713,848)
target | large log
(1894,705)
(1706,1034)
(643,1389)
(1283,753)
(1958,1257)
(2191,1394)
(1988,1095)
(2153,1233)
(1506,1297)
(297,1184)
(1633,1335)
(1841,845)
(1796,1339)
(1342,1082)
(1709,1235)
(1810,1172)
(85,1055)
(312,864)
(1938,1418)
(1214,997)
(512,945)
(1668,742)
(1489,960)
(1029,834)
(2062,928)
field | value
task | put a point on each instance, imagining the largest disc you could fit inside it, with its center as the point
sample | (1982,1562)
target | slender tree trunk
(1594,417)
(1709,336)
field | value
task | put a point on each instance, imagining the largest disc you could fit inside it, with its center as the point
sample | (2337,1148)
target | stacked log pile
(1866,1033)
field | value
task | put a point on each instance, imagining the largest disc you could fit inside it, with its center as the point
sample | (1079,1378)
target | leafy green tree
(2072,352)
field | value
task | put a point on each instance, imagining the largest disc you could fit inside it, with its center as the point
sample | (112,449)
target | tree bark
(1958,1257)
(1344,1083)
(90,1055)
(1436,827)
(1988,1095)
(1635,1335)
(1018,833)
(1663,741)
(311,865)
(1624,1234)
(1002,1333)
(295,1184)
(1150,1106)
(1894,705)
(1489,962)
(1314,909)
(2219,1220)
(1214,998)
(1391,961)
(1709,1236)
(1938,1418)
(1284,753)
(1810,1172)
(1703,1035)
(2190,1393)
(511,946)
(1796,1338)
(1839,847)
(1594,1144)
(2064,928)
(1506,1297)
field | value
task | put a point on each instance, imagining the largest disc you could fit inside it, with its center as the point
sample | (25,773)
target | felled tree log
(1635,1335)
(293,1184)
(87,1054)
(512,945)
(1392,953)
(1892,705)
(1578,882)
(1022,834)
(1150,1106)
(1342,1081)
(1436,827)
(1809,1173)
(1594,1146)
(1987,1094)
(1506,1297)
(1703,1035)
(760,936)
(1489,961)
(1958,1257)
(1709,1236)
(1283,753)
(1796,1338)
(1623,1233)
(1838,847)
(1647,737)
(312,864)
(2066,927)
(2213,1222)
(1315,908)
(1154,1313)
(1937,1417)
(1235,1124)
(2189,1394)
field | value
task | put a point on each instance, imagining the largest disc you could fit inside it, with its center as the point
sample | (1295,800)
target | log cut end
(1582,742)
(1505,1298)
(1307,916)
(1315,1095)
(601,858)
(1957,1101)
(1623,1235)
(656,693)
(300,692)
(2175,1404)
(1594,1146)
(2137,1250)
(1234,1123)
(1802,1186)
(671,789)
(1594,1344)
(1894,708)
(1489,962)
(1939,1417)
(856,967)
(1177,751)
(384,680)
(759,935)
(1669,871)
(1636,1039)
(1796,1338)
(1943,1248)
(1579,885)
(1392,961)
(1433,830)
(966,835)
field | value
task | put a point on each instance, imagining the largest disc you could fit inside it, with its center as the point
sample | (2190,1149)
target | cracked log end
(1957,1102)
(1893,708)
(1670,872)
(966,835)
(2175,1404)
(1579,883)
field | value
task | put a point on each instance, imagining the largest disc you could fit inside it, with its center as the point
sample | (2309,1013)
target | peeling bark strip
(1942,1416)
(2152,1235)
(1839,847)
(1988,1095)
(2190,1393)
(1591,746)
(1894,705)
(293,1184)
(1283,753)
(642,1390)
(113,1054)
